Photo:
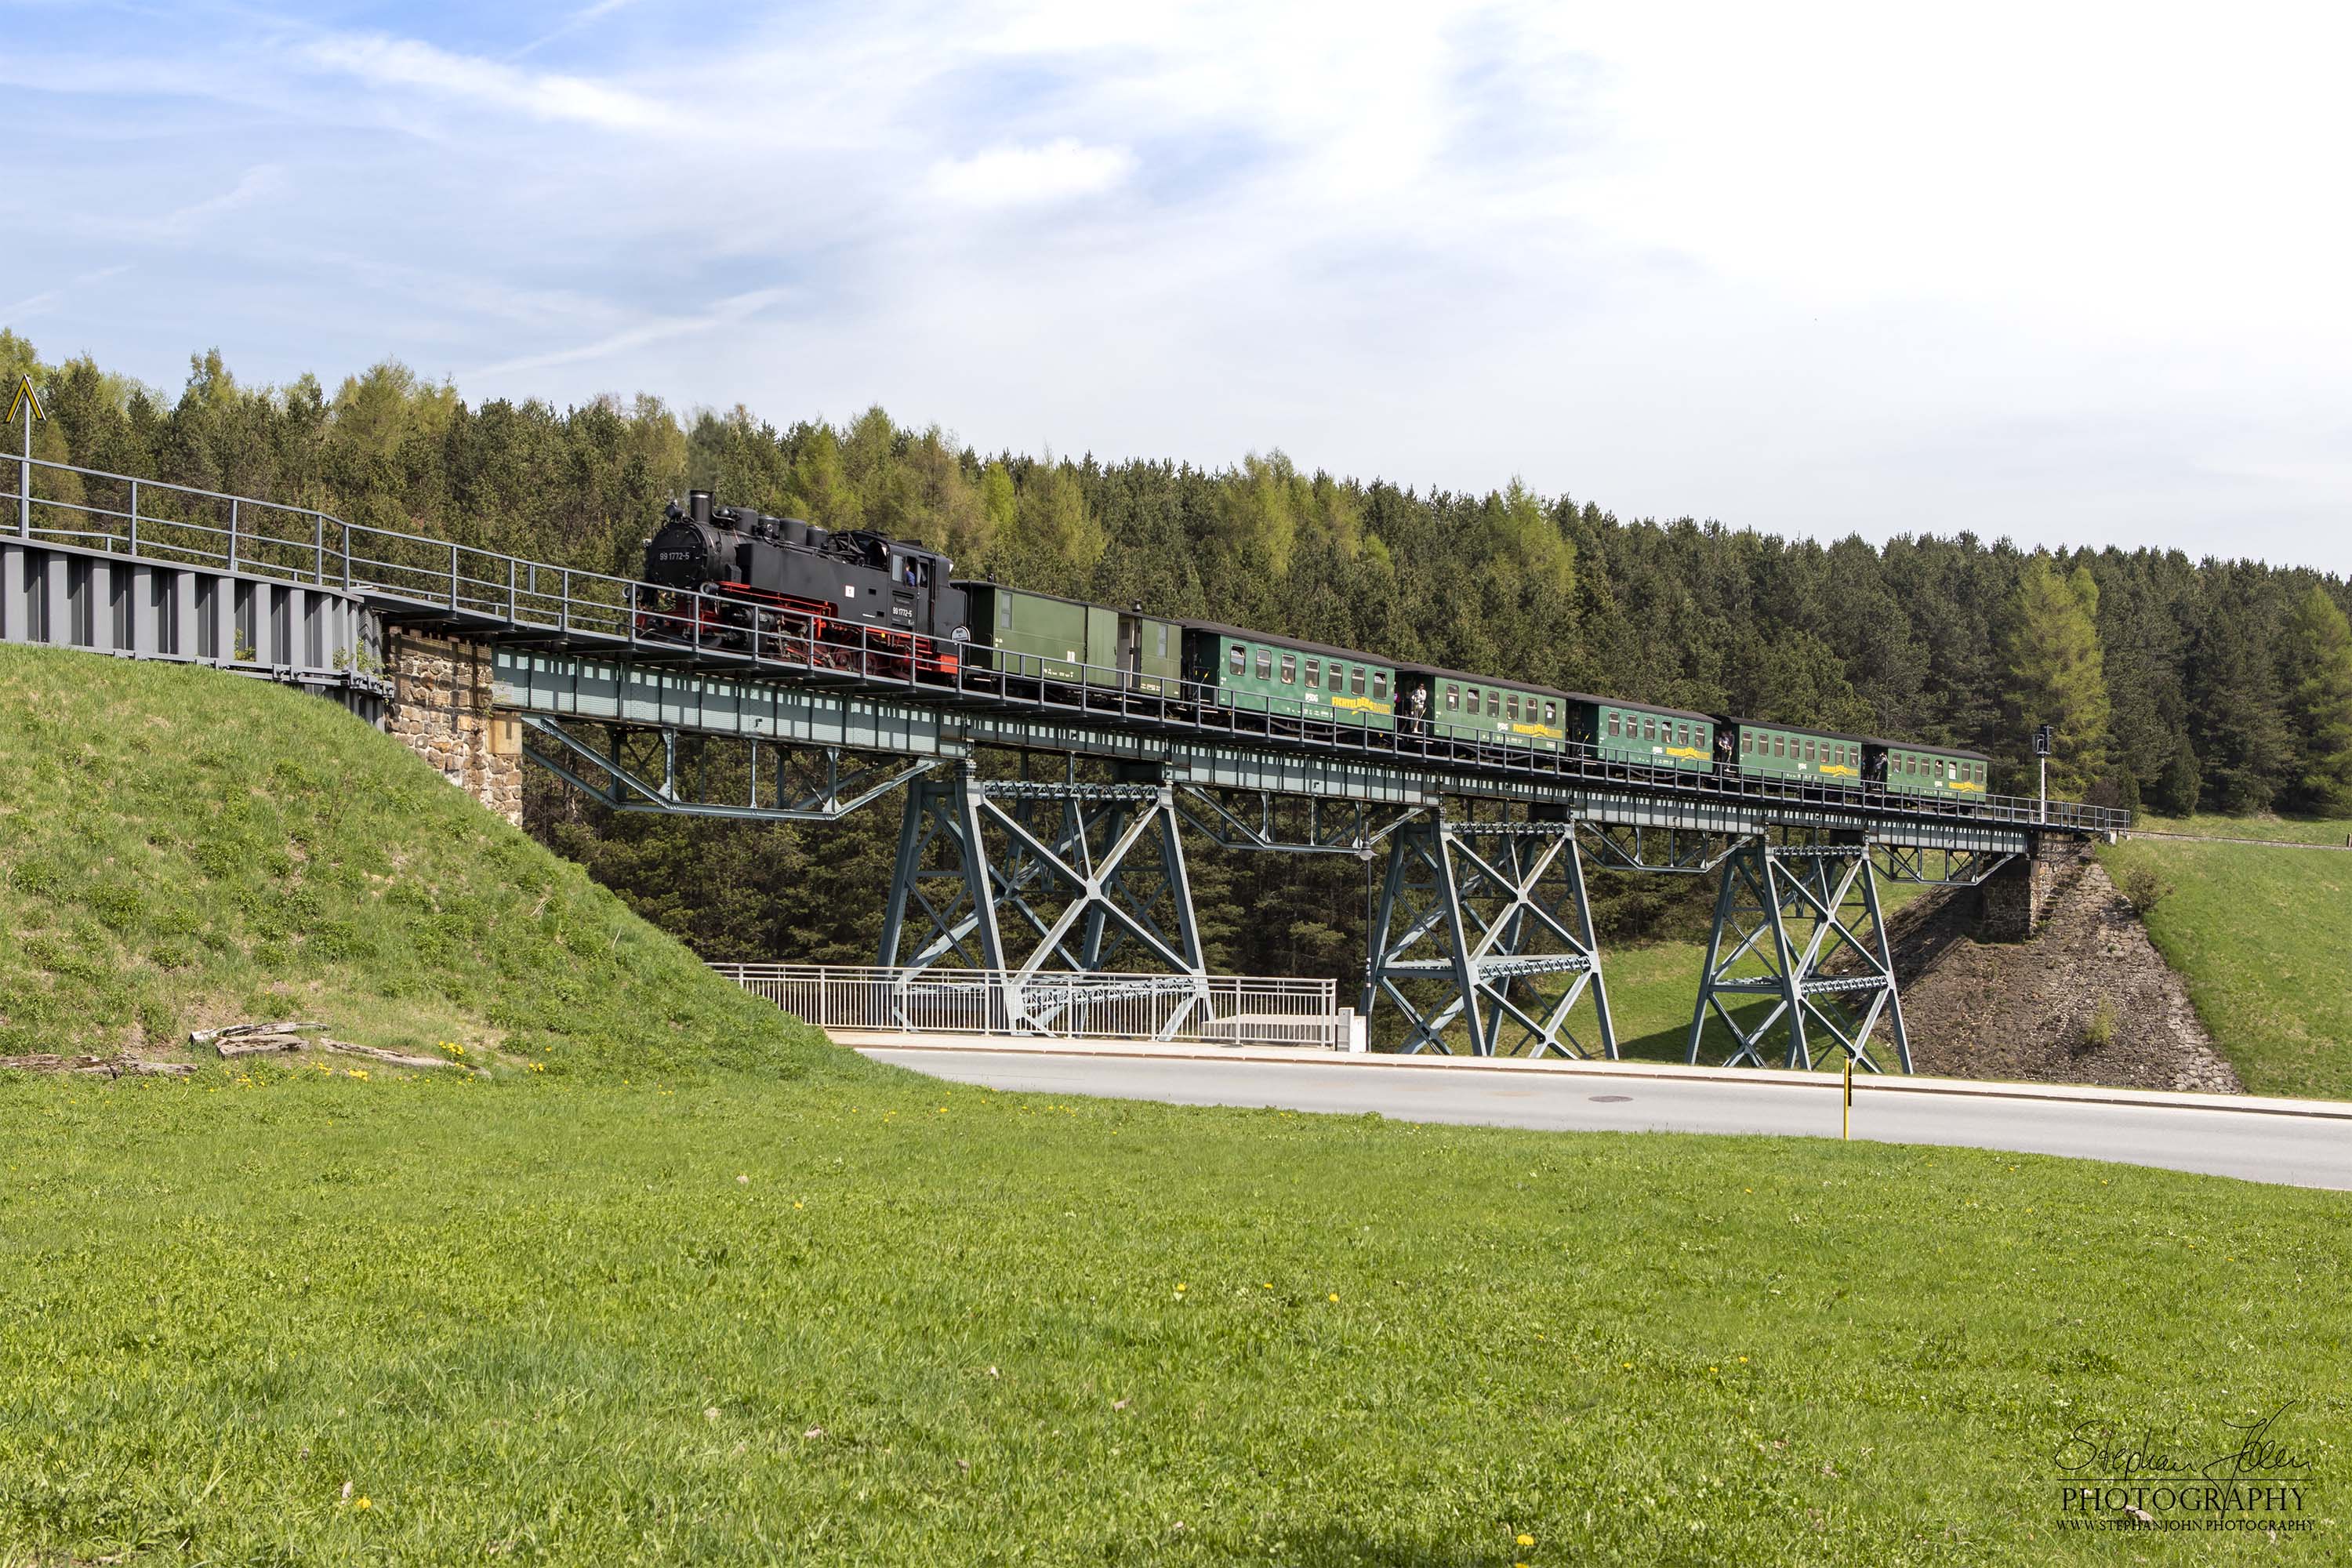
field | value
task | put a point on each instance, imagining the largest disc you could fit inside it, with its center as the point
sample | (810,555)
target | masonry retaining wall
(440,709)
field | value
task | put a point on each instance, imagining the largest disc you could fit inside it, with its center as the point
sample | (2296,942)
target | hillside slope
(2262,935)
(180,846)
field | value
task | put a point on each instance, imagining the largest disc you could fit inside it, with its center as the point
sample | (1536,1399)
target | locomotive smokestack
(697,503)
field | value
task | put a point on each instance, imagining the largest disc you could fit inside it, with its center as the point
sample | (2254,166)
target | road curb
(2062,1093)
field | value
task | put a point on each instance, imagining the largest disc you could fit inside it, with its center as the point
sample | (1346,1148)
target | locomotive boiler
(734,577)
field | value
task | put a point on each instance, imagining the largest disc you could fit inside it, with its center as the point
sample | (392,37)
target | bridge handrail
(448,577)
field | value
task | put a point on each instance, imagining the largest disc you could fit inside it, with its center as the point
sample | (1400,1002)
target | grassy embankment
(2334,831)
(2262,937)
(178,848)
(792,1308)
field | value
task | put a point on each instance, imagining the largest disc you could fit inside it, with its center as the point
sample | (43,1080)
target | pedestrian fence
(1168,1009)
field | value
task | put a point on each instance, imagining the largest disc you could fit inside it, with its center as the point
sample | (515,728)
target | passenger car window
(1290,669)
(1747,743)
(1452,699)
(1551,714)
(1264,664)
(1380,685)
(1314,673)
(1356,680)
(1239,662)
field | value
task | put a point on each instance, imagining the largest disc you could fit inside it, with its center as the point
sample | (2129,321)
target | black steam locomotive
(732,577)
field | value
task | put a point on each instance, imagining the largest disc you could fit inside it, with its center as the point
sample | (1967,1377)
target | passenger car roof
(1804,730)
(1300,644)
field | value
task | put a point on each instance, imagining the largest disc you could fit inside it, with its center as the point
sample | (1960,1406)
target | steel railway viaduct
(1043,828)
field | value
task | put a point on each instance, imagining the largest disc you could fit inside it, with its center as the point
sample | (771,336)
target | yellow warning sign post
(30,402)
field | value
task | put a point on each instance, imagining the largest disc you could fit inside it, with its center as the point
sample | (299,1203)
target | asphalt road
(2298,1151)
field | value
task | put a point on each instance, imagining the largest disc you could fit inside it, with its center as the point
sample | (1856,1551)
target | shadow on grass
(1673,1043)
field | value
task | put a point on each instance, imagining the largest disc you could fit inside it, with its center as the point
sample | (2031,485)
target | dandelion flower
(1335,1295)
(1525,1541)
(361,1502)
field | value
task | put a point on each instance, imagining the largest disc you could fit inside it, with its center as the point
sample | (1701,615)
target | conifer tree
(2057,675)
(2318,654)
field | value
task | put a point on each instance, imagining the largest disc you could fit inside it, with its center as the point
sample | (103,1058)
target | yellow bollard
(1846,1128)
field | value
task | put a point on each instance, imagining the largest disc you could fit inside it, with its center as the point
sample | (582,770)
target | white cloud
(47,299)
(384,61)
(1059,170)
(728,313)
(2070,274)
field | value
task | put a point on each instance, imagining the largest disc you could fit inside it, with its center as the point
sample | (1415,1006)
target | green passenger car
(1020,633)
(1945,771)
(1255,673)
(1449,705)
(1785,752)
(1622,732)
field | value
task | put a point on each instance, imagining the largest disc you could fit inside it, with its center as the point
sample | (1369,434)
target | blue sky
(2071,274)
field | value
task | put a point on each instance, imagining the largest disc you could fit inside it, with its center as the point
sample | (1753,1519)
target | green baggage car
(1028,635)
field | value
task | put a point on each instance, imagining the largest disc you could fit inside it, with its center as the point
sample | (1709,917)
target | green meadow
(709,1290)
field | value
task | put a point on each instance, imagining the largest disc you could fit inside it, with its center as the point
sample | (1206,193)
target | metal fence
(1217,1009)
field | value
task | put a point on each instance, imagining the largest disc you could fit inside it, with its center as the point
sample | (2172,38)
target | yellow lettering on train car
(1696,756)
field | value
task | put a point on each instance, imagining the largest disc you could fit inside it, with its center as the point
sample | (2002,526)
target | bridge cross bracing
(1503,935)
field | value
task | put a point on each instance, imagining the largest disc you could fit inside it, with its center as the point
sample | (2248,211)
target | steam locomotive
(732,577)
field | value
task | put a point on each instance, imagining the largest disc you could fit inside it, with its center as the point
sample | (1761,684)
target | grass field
(2262,937)
(712,1291)
(2282,830)
(883,1321)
